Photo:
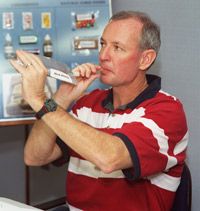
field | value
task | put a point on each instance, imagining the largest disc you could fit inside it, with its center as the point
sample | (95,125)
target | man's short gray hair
(150,35)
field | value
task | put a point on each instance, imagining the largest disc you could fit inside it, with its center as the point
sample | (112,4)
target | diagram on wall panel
(68,31)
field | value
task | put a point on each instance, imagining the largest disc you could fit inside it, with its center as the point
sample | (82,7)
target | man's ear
(147,59)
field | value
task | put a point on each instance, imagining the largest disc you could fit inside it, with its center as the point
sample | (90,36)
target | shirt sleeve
(156,141)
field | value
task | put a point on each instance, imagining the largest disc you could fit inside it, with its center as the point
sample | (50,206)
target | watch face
(50,105)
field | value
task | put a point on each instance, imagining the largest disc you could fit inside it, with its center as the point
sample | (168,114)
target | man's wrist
(49,105)
(38,105)
(64,104)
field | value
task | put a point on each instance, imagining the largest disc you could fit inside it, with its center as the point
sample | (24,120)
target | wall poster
(65,30)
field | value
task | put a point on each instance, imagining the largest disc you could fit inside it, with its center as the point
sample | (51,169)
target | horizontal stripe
(162,140)
(86,168)
(182,145)
(104,120)
(165,181)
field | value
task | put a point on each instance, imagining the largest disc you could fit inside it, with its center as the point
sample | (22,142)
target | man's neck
(125,94)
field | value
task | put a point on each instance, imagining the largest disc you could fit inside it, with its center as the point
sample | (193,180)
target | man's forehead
(126,25)
(118,30)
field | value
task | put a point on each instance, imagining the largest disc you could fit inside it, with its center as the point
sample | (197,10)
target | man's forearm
(40,147)
(98,147)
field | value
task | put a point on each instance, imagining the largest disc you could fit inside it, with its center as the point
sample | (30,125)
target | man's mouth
(105,69)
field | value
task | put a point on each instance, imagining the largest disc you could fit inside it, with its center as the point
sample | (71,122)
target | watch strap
(41,112)
(49,106)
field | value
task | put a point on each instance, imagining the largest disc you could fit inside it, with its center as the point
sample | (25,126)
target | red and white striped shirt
(153,127)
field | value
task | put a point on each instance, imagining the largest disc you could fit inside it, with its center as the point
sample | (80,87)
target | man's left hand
(34,75)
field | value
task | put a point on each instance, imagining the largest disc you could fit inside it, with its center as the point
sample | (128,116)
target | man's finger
(19,67)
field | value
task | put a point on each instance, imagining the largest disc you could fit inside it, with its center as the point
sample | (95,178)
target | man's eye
(102,44)
(117,48)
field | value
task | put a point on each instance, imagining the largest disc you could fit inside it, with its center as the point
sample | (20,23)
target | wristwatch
(49,106)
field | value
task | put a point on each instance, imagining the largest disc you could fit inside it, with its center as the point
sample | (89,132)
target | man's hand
(67,93)
(34,75)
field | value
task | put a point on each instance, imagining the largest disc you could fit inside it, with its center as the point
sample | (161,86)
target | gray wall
(44,183)
(12,177)
(178,64)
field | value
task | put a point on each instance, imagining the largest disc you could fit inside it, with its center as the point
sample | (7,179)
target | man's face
(120,54)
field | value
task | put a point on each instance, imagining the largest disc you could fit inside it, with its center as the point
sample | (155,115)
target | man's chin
(105,80)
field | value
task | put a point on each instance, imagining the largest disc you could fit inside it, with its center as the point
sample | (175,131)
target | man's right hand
(67,93)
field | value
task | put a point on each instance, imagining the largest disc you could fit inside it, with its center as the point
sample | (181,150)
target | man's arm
(41,147)
(107,152)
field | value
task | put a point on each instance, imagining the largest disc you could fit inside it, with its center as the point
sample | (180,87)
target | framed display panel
(66,30)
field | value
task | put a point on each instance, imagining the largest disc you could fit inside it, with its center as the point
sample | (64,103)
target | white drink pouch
(58,70)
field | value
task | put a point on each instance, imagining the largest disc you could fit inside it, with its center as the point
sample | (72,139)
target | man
(126,145)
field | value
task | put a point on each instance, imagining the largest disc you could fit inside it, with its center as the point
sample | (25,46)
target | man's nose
(104,54)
